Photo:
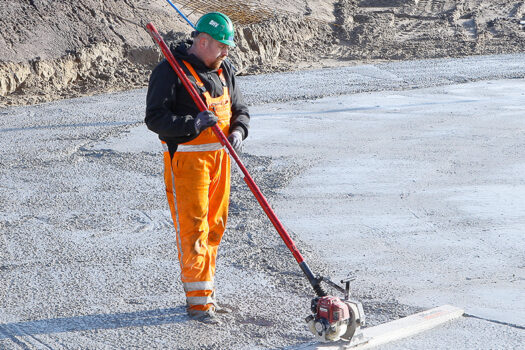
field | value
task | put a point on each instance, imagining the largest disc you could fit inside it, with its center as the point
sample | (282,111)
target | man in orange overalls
(196,166)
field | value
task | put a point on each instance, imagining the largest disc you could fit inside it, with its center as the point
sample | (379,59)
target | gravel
(88,253)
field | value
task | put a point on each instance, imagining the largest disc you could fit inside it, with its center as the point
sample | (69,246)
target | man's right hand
(204,120)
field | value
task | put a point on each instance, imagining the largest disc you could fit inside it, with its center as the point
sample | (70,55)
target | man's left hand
(235,139)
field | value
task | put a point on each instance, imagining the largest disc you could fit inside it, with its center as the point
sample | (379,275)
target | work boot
(207,316)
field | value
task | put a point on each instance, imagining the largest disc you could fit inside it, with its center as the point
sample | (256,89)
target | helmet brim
(230,43)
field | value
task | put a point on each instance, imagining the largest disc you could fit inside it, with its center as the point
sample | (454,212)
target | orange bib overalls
(198,188)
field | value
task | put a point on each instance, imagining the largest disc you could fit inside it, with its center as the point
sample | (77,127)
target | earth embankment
(52,50)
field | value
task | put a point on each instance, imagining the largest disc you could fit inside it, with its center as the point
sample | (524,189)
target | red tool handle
(224,141)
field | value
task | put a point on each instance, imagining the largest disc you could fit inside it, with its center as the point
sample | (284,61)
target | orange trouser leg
(198,187)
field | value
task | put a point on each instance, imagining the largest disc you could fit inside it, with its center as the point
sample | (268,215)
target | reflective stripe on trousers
(200,148)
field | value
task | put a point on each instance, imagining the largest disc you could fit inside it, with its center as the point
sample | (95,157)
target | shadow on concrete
(92,322)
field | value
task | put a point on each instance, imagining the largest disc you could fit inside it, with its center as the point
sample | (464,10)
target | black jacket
(170,110)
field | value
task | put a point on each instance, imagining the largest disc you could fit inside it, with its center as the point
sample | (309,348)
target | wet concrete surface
(414,186)
(418,194)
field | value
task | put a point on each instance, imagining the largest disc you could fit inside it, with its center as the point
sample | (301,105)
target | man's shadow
(92,322)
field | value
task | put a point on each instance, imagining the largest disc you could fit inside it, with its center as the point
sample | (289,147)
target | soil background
(52,50)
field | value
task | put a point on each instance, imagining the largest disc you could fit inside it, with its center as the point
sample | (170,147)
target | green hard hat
(218,25)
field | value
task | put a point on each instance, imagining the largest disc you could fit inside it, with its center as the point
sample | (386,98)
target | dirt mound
(373,29)
(51,50)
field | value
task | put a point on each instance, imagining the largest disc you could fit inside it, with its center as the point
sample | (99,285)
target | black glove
(204,120)
(235,139)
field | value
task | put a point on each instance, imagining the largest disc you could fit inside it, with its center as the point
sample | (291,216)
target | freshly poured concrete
(421,191)
(418,193)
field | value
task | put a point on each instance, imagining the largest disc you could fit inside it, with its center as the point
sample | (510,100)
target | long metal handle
(247,177)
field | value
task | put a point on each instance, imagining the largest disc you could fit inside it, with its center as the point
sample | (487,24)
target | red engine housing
(332,309)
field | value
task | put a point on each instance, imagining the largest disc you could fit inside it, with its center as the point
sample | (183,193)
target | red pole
(224,141)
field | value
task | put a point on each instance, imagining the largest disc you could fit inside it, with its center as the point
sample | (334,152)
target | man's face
(215,52)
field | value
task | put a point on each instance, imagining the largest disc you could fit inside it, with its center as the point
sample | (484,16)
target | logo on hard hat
(213,23)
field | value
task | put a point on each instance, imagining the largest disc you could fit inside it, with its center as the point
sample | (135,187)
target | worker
(196,165)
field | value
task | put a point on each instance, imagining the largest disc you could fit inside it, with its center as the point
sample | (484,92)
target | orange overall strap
(200,84)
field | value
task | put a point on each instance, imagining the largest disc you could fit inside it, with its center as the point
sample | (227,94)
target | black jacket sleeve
(160,103)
